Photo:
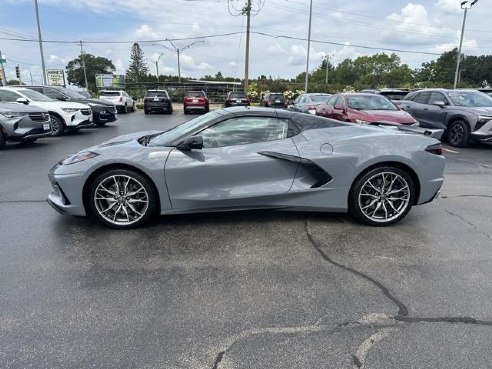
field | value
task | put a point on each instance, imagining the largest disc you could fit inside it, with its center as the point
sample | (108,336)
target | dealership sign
(55,77)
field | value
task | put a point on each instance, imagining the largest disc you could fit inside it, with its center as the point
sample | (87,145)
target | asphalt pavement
(245,289)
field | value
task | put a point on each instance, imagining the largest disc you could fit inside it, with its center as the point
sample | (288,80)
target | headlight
(70,110)
(81,156)
(484,118)
(359,121)
(12,114)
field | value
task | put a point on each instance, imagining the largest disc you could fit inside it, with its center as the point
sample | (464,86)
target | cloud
(144,32)
(297,55)
(275,49)
(468,45)
(187,63)
(449,6)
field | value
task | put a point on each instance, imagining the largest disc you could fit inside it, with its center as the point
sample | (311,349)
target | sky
(421,30)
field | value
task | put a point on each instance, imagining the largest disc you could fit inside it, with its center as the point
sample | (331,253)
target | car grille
(39,117)
(86,111)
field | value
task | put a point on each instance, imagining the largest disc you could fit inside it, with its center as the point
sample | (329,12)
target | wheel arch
(395,164)
(51,112)
(456,118)
(105,168)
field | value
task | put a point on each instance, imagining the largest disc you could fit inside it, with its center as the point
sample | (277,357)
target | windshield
(473,99)
(237,95)
(72,94)
(169,136)
(35,96)
(370,102)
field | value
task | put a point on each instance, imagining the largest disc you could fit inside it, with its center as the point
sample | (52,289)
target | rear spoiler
(434,133)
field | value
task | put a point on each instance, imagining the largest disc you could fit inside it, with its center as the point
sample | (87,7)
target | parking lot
(247,289)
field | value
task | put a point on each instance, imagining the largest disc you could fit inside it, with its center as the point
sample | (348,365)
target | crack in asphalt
(383,321)
(468,222)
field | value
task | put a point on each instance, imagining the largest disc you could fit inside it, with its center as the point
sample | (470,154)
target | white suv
(120,98)
(64,115)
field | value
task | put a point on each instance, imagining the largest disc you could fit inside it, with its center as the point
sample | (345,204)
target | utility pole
(30,74)
(308,47)
(82,56)
(247,11)
(327,58)
(40,43)
(464,5)
(4,77)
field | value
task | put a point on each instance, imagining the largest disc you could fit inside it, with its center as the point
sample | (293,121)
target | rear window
(110,93)
(394,95)
(156,94)
(237,95)
(319,98)
(277,96)
(195,94)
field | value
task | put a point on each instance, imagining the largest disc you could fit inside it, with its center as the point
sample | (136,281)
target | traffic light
(17,72)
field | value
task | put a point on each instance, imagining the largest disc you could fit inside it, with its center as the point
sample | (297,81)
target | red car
(364,109)
(195,101)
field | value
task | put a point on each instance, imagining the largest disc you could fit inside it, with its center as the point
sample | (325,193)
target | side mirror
(191,143)
(22,100)
(441,104)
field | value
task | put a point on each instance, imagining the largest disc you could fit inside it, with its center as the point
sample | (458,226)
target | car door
(240,165)
(435,115)
(417,107)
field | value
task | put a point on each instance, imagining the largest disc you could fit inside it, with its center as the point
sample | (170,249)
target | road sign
(56,77)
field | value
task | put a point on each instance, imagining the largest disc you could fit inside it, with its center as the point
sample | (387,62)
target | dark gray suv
(465,115)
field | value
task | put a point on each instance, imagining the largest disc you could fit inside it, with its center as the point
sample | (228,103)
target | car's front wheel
(458,134)
(57,126)
(3,141)
(122,198)
(382,196)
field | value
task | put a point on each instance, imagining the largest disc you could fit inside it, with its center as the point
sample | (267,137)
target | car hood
(21,108)
(386,116)
(93,101)
(59,105)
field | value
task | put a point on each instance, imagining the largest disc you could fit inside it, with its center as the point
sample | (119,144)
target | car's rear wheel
(122,198)
(57,126)
(459,134)
(132,109)
(382,196)
(125,109)
(185,110)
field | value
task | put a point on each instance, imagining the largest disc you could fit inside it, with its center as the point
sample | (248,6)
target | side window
(437,96)
(245,130)
(54,94)
(302,100)
(422,97)
(340,101)
(331,100)
(297,100)
(8,96)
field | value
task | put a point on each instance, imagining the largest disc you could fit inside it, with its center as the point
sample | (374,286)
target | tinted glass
(9,96)
(195,94)
(72,94)
(370,102)
(35,96)
(436,97)
(394,95)
(110,93)
(237,95)
(54,94)
(245,130)
(470,98)
(422,97)
(331,100)
(274,97)
(156,94)
(167,137)
(319,98)
(339,101)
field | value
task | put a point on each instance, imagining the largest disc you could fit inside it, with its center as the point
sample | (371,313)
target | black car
(157,101)
(465,115)
(103,111)
(274,100)
(236,98)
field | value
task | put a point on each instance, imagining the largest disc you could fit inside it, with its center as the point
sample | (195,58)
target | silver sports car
(252,158)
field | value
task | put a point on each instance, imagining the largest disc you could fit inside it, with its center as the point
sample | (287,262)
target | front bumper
(105,114)
(484,133)
(79,119)
(66,196)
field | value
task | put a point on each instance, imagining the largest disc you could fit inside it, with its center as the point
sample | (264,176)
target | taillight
(435,149)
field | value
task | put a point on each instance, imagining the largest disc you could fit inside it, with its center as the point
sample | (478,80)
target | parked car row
(30,112)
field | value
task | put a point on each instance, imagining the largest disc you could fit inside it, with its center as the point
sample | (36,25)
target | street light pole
(327,59)
(82,56)
(464,5)
(247,10)
(308,47)
(156,64)
(40,42)
(178,52)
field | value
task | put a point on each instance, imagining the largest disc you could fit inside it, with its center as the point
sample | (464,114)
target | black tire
(3,141)
(146,112)
(57,126)
(112,212)
(370,193)
(125,109)
(132,109)
(458,134)
(207,109)
(185,110)
(169,111)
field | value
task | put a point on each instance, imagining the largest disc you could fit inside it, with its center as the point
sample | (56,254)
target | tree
(93,65)
(137,69)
